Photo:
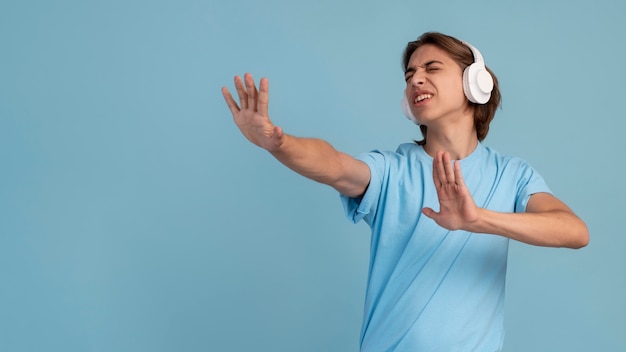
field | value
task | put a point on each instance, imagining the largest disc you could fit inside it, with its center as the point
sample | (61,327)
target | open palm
(251,114)
(456,205)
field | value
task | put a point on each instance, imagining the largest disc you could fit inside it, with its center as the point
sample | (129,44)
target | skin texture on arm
(546,222)
(310,157)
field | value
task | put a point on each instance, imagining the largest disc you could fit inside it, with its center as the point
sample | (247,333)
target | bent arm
(546,222)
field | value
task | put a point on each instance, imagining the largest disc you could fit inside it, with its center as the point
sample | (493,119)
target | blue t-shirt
(431,289)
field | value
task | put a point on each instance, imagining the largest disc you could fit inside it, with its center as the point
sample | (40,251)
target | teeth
(422,97)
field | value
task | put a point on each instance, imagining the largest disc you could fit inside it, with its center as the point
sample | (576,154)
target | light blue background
(135,217)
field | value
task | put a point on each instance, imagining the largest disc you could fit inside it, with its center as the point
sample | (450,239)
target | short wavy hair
(459,52)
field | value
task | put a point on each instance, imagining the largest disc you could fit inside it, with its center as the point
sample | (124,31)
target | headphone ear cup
(406,109)
(477,83)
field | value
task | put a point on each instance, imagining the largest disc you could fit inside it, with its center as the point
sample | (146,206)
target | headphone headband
(478,57)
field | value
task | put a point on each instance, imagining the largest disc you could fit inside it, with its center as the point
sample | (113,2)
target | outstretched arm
(310,157)
(546,222)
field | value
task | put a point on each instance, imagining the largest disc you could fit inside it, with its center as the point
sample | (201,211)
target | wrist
(280,144)
(479,223)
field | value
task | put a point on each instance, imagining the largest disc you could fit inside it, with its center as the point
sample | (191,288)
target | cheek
(455,90)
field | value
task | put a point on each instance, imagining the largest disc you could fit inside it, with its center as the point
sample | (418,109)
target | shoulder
(402,152)
(504,160)
(515,168)
(407,149)
(395,164)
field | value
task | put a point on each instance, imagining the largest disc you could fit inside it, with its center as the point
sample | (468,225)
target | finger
(429,212)
(241,91)
(251,90)
(263,101)
(439,172)
(278,132)
(232,104)
(458,175)
(447,165)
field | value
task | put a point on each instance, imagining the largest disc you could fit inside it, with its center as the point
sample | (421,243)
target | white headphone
(477,84)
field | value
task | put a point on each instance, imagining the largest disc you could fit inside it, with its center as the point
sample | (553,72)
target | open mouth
(422,98)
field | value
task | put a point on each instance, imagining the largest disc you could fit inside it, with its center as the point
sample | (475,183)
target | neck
(459,140)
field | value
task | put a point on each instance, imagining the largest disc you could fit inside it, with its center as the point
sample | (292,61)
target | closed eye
(431,67)
(408,74)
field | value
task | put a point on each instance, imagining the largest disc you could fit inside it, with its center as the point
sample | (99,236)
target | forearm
(556,228)
(316,159)
(310,157)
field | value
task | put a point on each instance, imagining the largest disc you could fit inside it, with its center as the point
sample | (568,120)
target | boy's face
(434,86)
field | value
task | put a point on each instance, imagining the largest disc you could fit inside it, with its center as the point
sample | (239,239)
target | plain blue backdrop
(135,217)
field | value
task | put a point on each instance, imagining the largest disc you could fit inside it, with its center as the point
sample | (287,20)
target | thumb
(430,213)
(278,132)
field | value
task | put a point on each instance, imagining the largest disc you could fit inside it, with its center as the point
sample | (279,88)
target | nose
(418,78)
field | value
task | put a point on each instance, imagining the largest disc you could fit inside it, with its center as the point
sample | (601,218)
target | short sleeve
(528,184)
(365,206)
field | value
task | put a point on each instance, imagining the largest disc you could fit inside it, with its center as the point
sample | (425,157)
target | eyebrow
(413,68)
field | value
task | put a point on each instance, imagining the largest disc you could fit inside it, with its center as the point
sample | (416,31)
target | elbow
(579,243)
(580,236)
(583,241)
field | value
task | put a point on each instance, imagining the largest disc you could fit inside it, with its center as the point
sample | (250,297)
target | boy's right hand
(251,114)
